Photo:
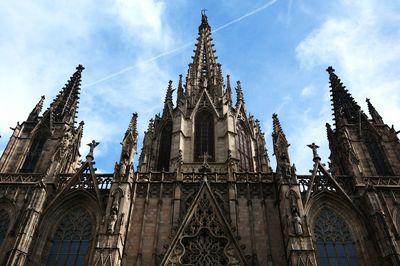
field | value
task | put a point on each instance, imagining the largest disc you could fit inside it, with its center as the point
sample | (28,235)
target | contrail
(181,47)
(245,15)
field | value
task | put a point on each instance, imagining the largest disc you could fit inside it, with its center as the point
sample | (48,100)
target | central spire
(204,72)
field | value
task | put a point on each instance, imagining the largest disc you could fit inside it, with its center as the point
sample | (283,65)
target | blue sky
(279,50)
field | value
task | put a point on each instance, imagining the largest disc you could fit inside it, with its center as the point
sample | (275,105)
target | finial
(314,148)
(80,68)
(92,145)
(239,92)
(330,70)
(205,167)
(203,12)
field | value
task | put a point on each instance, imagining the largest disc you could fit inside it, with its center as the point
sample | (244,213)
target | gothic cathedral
(204,192)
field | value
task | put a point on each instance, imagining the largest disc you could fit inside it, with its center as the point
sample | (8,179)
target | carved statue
(122,169)
(111,224)
(297,224)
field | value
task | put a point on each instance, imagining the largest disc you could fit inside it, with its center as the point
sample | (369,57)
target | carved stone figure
(298,225)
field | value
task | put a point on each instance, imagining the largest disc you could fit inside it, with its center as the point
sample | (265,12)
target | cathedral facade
(204,192)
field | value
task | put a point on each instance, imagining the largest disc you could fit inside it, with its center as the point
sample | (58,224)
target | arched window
(71,240)
(34,153)
(243,148)
(4,224)
(333,240)
(204,135)
(377,156)
(164,152)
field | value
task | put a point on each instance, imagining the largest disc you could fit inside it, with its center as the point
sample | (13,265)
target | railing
(20,178)
(382,180)
(104,181)
(196,177)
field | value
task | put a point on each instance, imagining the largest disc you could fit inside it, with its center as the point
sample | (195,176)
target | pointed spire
(180,93)
(277,128)
(204,20)
(168,98)
(132,127)
(129,143)
(239,93)
(228,89)
(203,71)
(344,106)
(374,114)
(65,105)
(36,111)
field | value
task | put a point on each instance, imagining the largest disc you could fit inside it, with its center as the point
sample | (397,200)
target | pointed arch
(377,155)
(164,151)
(78,203)
(204,135)
(333,239)
(35,150)
(243,145)
(70,242)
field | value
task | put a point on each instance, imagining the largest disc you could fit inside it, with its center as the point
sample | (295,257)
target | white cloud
(41,44)
(144,20)
(362,44)
(307,91)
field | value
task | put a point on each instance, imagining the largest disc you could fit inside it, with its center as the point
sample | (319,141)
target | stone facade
(204,192)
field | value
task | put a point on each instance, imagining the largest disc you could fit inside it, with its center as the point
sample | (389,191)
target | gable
(204,237)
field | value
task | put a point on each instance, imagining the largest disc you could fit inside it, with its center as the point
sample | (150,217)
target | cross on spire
(314,148)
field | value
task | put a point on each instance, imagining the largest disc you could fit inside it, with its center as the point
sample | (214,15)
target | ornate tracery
(204,135)
(4,224)
(204,237)
(333,240)
(71,240)
(243,148)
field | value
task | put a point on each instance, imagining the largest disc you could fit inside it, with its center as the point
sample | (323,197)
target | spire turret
(204,71)
(129,144)
(281,150)
(345,108)
(65,105)
(33,116)
(228,89)
(239,94)
(374,114)
(180,93)
(168,99)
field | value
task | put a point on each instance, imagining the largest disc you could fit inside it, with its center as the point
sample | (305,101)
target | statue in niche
(112,221)
(116,201)
(114,212)
(122,169)
(298,228)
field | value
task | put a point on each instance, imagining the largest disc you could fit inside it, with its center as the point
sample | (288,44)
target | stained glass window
(71,241)
(204,135)
(164,152)
(243,148)
(4,224)
(377,156)
(34,153)
(333,240)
